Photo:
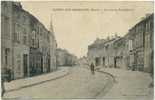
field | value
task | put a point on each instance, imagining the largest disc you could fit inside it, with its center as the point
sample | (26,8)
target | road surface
(80,83)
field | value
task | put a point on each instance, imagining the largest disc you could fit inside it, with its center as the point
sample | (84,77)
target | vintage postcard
(77,50)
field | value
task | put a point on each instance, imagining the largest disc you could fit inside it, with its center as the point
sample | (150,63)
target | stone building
(133,51)
(102,52)
(26,43)
(140,39)
(149,43)
(6,37)
(120,50)
(64,58)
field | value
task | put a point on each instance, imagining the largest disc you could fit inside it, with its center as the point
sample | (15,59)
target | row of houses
(132,51)
(64,58)
(28,48)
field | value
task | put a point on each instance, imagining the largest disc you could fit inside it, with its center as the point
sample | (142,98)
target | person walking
(2,87)
(92,68)
(8,72)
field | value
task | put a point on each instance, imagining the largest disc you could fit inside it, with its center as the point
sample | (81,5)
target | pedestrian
(92,68)
(8,75)
(3,87)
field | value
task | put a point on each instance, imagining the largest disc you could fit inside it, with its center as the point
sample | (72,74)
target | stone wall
(27,46)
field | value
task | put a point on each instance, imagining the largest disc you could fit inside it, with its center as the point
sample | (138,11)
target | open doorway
(103,60)
(25,65)
(97,61)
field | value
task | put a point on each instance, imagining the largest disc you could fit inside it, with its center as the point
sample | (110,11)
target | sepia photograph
(77,50)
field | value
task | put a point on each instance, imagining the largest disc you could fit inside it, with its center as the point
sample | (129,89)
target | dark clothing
(9,75)
(3,87)
(92,68)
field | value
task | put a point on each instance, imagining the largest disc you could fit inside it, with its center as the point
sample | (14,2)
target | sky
(77,24)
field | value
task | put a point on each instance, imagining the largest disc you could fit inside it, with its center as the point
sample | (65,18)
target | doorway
(115,62)
(25,65)
(103,59)
(97,61)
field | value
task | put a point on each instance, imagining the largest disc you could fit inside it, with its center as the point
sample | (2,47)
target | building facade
(149,44)
(102,52)
(141,37)
(26,43)
(64,58)
(133,51)
(120,56)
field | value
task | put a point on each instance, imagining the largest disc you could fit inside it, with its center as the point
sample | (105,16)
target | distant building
(83,61)
(26,43)
(102,52)
(64,58)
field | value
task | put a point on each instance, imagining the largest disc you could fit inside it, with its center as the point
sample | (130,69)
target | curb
(98,70)
(67,73)
(113,77)
(108,85)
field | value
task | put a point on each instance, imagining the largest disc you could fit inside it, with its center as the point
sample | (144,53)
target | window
(17,33)
(147,26)
(140,28)
(18,66)
(33,34)
(40,32)
(48,38)
(17,36)
(24,19)
(38,43)
(151,25)
(5,7)
(6,26)
(33,42)
(6,56)
(130,45)
(24,31)
(24,40)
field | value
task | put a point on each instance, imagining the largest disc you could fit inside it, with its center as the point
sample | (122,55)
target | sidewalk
(31,81)
(130,85)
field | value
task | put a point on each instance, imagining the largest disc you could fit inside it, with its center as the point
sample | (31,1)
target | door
(115,62)
(42,70)
(25,64)
(97,61)
(103,61)
(48,69)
